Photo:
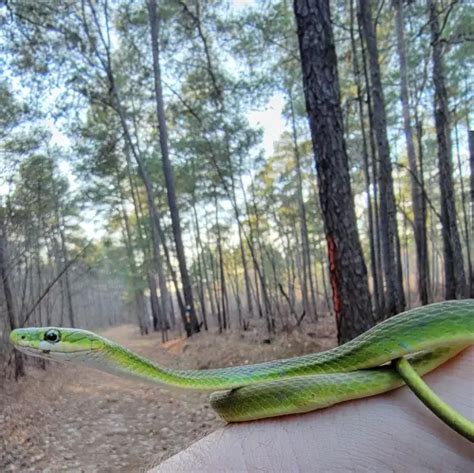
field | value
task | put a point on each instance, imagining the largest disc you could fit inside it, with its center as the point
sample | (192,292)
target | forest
(197,166)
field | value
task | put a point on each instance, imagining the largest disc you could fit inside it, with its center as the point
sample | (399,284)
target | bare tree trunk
(202,298)
(290,263)
(223,285)
(351,296)
(465,220)
(309,296)
(191,324)
(137,292)
(4,274)
(360,102)
(395,297)
(260,267)
(236,288)
(424,211)
(200,253)
(455,279)
(217,299)
(156,241)
(471,166)
(416,191)
(406,271)
(375,174)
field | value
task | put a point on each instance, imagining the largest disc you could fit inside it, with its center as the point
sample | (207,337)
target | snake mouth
(41,352)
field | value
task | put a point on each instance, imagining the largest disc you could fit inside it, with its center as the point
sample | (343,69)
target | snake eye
(52,336)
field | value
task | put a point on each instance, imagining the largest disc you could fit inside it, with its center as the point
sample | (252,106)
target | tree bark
(416,190)
(309,296)
(365,157)
(465,217)
(9,302)
(455,279)
(201,266)
(156,242)
(394,297)
(321,85)
(191,324)
(137,291)
(375,173)
(222,278)
(471,166)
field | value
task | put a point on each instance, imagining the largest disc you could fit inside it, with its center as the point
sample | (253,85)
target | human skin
(393,432)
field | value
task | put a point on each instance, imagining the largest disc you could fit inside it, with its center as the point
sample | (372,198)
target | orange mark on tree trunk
(336,298)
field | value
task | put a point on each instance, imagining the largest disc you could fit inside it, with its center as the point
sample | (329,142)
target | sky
(269,119)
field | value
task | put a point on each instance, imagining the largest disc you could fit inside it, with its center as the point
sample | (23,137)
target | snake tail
(444,411)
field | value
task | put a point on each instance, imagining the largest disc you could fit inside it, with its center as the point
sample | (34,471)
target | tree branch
(53,282)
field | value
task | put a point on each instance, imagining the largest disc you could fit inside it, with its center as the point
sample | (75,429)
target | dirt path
(77,419)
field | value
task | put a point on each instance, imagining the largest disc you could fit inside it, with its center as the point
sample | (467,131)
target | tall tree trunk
(137,291)
(260,266)
(67,283)
(58,259)
(158,236)
(201,265)
(62,238)
(321,85)
(156,259)
(424,211)
(375,173)
(471,166)
(217,299)
(191,325)
(419,223)
(465,219)
(308,286)
(200,251)
(394,297)
(106,64)
(223,286)
(365,155)
(290,262)
(9,302)
(235,285)
(248,284)
(455,279)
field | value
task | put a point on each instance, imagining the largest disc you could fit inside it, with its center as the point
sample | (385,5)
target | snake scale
(424,338)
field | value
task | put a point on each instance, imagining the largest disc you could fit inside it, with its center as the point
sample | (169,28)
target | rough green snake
(401,348)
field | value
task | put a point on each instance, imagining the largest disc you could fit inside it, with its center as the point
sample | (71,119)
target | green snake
(401,348)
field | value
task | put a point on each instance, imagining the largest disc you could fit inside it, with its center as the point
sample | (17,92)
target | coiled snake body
(412,343)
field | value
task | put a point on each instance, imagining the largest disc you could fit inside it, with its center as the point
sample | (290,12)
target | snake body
(426,336)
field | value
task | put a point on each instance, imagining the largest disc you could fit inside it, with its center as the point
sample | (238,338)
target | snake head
(61,344)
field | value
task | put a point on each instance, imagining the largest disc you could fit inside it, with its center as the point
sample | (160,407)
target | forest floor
(77,419)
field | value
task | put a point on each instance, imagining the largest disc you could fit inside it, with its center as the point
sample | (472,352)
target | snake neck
(115,359)
(420,330)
